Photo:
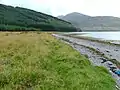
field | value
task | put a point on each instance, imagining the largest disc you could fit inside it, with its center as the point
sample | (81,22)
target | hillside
(86,22)
(17,18)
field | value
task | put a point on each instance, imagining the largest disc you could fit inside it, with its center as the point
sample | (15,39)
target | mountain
(86,22)
(18,18)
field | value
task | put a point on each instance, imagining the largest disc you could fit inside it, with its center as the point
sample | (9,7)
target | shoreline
(96,55)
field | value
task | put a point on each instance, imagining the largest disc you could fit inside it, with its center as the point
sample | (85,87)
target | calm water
(101,35)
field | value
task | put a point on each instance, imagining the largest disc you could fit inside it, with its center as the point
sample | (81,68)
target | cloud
(62,7)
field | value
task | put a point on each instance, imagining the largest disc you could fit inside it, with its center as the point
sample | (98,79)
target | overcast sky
(63,7)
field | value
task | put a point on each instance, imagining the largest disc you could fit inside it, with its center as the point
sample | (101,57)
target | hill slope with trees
(17,18)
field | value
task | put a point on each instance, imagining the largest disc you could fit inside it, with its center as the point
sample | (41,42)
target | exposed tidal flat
(39,61)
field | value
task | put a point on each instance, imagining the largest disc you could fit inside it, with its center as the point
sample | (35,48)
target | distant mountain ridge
(86,22)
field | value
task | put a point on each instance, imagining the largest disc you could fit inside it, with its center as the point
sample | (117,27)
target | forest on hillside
(17,18)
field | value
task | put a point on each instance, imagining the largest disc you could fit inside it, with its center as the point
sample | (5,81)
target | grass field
(38,61)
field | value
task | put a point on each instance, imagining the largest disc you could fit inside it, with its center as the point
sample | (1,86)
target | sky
(63,7)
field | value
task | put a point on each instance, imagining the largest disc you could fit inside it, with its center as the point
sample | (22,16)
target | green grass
(38,61)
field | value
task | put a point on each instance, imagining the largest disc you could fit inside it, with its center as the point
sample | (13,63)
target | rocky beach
(99,53)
